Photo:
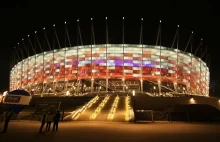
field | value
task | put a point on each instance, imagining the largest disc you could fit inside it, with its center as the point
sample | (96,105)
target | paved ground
(84,131)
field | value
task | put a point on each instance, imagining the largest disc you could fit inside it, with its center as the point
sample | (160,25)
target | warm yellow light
(133,92)
(67,93)
(5,93)
(99,108)
(127,107)
(192,100)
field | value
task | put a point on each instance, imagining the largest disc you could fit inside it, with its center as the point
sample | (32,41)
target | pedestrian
(56,120)
(49,121)
(7,117)
(43,121)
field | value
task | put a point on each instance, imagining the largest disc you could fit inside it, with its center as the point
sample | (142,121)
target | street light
(134,105)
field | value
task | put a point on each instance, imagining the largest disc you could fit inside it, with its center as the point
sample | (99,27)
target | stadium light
(65,22)
(54,25)
(77,20)
(178,26)
(142,19)
(35,32)
(43,28)
(28,35)
(160,21)
(106,18)
(123,18)
(91,18)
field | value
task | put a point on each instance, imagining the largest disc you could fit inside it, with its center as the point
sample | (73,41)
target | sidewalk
(84,131)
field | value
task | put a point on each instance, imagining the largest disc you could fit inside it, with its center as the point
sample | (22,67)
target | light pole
(134,105)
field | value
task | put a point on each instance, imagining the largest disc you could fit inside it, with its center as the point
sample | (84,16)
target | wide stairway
(110,107)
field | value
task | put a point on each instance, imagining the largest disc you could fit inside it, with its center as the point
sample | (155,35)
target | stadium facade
(156,70)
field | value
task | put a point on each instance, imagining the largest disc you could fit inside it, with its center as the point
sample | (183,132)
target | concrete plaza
(84,131)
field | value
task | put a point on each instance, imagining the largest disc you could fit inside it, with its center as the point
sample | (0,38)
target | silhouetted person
(56,120)
(49,121)
(43,121)
(7,118)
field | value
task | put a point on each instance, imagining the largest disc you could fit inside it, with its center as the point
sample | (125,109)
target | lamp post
(134,105)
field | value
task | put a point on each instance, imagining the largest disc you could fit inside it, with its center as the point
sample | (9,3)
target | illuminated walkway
(106,108)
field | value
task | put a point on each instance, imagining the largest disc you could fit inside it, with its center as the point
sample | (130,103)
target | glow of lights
(142,19)
(99,108)
(123,18)
(178,26)
(133,92)
(5,93)
(123,79)
(67,93)
(22,39)
(113,109)
(106,18)
(158,81)
(127,108)
(65,22)
(192,101)
(43,28)
(160,21)
(35,32)
(154,88)
(28,35)
(77,20)
(175,83)
(75,114)
(54,25)
(201,39)
(18,42)
(91,18)
(192,32)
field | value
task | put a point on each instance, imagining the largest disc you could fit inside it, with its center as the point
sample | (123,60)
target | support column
(123,83)
(92,84)
(159,87)
(175,86)
(141,85)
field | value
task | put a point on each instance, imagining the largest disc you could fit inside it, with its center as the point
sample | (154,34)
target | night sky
(18,19)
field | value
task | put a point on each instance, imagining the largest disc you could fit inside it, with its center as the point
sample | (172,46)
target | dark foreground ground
(87,131)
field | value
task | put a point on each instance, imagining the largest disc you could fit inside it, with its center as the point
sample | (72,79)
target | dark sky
(18,19)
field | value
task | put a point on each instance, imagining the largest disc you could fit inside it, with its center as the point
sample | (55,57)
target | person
(56,120)
(43,121)
(49,120)
(7,117)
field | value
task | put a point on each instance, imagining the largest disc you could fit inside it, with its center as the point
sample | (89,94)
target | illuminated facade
(111,67)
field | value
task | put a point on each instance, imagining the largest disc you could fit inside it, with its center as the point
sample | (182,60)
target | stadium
(126,81)
(156,70)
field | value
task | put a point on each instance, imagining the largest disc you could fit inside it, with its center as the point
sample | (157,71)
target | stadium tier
(156,70)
